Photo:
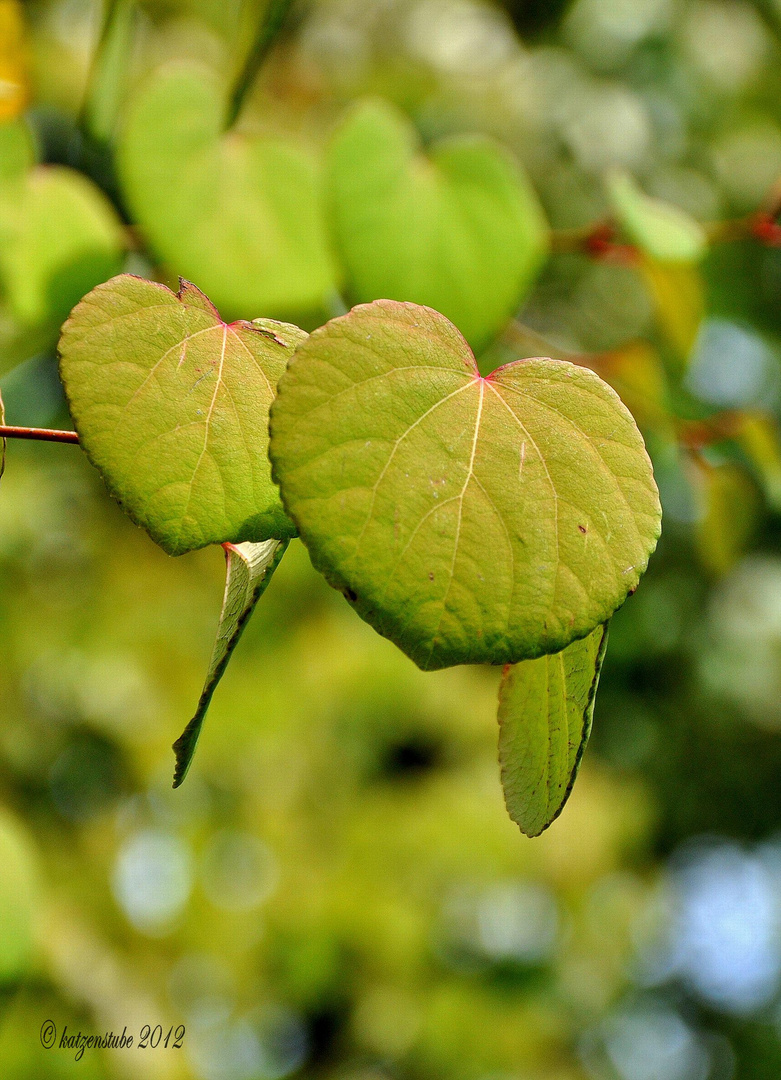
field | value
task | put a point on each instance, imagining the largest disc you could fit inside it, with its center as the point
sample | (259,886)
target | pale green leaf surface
(460,230)
(59,237)
(249,570)
(241,215)
(171,405)
(661,230)
(469,520)
(545,712)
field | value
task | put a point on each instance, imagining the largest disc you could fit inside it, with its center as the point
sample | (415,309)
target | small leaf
(758,435)
(678,292)
(240,214)
(460,230)
(545,711)
(731,512)
(171,405)
(249,570)
(661,230)
(469,520)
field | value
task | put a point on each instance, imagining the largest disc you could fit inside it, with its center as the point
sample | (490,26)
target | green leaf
(460,230)
(249,570)
(171,405)
(545,711)
(59,236)
(469,520)
(661,230)
(241,215)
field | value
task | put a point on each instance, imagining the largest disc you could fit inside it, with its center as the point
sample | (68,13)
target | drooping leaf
(663,231)
(171,405)
(460,230)
(469,520)
(239,214)
(59,236)
(545,711)
(249,570)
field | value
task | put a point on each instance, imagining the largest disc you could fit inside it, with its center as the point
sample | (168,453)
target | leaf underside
(546,707)
(171,405)
(469,520)
(460,230)
(249,570)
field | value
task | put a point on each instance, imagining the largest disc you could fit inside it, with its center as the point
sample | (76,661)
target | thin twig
(269,28)
(42,434)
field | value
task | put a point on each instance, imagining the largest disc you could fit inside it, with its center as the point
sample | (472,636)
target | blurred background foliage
(336,891)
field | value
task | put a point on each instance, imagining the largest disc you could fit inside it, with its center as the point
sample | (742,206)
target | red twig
(43,434)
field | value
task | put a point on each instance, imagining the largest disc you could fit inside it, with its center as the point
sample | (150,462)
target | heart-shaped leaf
(171,405)
(460,230)
(239,214)
(249,570)
(661,230)
(545,712)
(469,520)
(59,235)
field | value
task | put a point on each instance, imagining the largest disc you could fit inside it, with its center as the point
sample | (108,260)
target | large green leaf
(59,236)
(239,214)
(171,405)
(249,570)
(661,230)
(545,711)
(460,230)
(469,520)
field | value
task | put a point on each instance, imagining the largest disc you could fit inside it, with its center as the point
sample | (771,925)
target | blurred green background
(336,891)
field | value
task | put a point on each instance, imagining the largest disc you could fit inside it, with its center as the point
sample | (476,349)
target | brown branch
(43,434)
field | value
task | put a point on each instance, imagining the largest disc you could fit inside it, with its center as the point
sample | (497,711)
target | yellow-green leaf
(171,405)
(249,570)
(468,519)
(545,712)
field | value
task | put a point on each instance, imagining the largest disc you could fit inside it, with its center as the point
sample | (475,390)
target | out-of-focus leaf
(545,711)
(171,405)
(249,570)
(460,230)
(662,231)
(106,85)
(17,154)
(18,891)
(14,89)
(757,433)
(678,293)
(60,237)
(240,215)
(469,520)
(637,375)
(731,508)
